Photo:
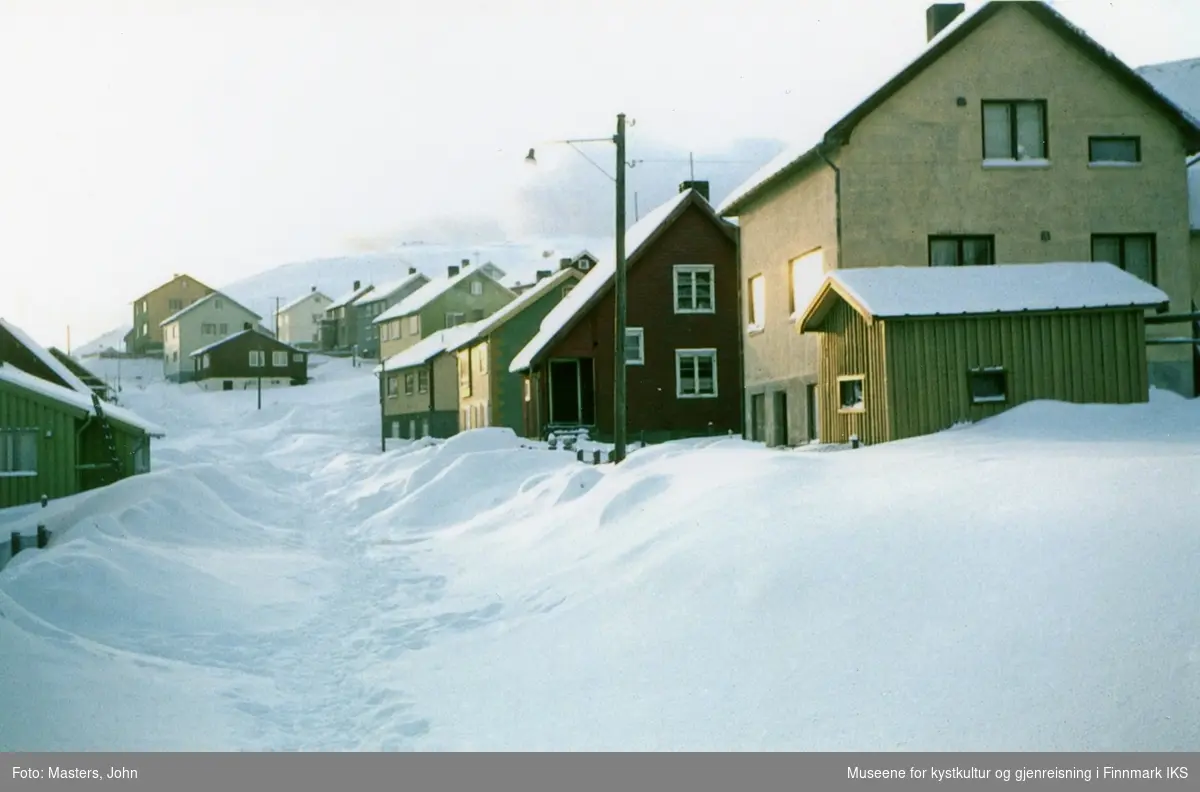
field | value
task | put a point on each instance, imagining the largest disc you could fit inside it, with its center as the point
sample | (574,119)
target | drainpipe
(837,199)
(741,335)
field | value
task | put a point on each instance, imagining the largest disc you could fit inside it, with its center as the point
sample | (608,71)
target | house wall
(93,449)
(852,347)
(457,299)
(56,477)
(152,308)
(475,384)
(297,325)
(439,408)
(182,337)
(1081,357)
(914,167)
(243,383)
(231,361)
(406,404)
(653,409)
(368,331)
(801,216)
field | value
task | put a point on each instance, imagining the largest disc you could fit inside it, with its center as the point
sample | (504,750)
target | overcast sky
(223,137)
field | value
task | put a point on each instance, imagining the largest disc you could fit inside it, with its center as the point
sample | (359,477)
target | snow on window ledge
(1114,164)
(1021,163)
(987,399)
(754,329)
(18,474)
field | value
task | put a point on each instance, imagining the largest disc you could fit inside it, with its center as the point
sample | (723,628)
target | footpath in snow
(279,584)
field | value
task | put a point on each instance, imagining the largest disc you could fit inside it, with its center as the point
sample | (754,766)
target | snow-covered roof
(204,301)
(526,298)
(300,300)
(388,289)
(792,158)
(178,276)
(43,354)
(883,292)
(601,274)
(1179,81)
(77,399)
(428,348)
(239,334)
(430,292)
(349,297)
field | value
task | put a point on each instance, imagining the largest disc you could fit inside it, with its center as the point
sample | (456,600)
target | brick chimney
(451,271)
(357,285)
(939,15)
(543,274)
(699,186)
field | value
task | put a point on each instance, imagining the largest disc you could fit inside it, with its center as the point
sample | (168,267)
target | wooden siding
(852,347)
(1080,357)
(56,478)
(231,359)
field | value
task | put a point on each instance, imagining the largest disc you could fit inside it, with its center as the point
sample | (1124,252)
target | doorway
(781,418)
(572,392)
(227,385)
(758,418)
(810,400)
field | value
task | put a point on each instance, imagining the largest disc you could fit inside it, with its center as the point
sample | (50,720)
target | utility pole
(619,365)
(276,317)
(68,339)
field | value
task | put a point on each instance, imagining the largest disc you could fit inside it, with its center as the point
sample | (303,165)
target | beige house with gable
(207,320)
(1012,138)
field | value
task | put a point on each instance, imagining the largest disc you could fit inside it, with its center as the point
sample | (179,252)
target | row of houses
(1013,216)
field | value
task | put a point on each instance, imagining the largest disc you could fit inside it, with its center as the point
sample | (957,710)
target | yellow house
(1012,137)
(154,306)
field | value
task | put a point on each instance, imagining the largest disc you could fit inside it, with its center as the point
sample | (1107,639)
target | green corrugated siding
(1081,357)
(56,454)
(508,390)
(849,346)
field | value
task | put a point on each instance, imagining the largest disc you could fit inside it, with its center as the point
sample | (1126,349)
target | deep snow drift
(1027,583)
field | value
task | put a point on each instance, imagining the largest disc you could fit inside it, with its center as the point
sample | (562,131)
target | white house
(299,321)
(207,320)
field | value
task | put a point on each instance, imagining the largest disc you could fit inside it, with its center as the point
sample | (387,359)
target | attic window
(476,288)
(585,265)
(988,386)
(1014,130)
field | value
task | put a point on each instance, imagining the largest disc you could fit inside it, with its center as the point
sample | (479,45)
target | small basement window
(988,386)
(850,394)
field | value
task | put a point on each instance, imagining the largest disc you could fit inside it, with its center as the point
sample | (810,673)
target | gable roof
(1178,80)
(349,297)
(182,275)
(431,291)
(390,288)
(592,286)
(275,342)
(76,399)
(428,348)
(299,300)
(892,292)
(66,377)
(86,375)
(175,317)
(526,298)
(795,158)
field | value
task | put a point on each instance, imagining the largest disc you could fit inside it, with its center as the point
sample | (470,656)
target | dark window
(1114,149)
(988,385)
(1014,130)
(1133,253)
(958,251)
(423,381)
(410,384)
(850,391)
(174,305)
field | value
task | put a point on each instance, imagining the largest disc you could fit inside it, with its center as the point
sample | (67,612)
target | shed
(906,351)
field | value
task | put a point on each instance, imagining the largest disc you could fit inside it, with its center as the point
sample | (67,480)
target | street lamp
(619,340)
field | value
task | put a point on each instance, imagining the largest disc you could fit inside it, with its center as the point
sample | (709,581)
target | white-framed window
(297,357)
(383,332)
(410,384)
(393,387)
(18,452)
(145,306)
(528,390)
(988,385)
(481,358)
(807,272)
(852,393)
(635,346)
(455,318)
(423,381)
(476,287)
(464,372)
(465,419)
(204,362)
(279,358)
(414,325)
(1014,130)
(696,373)
(174,331)
(258,358)
(694,288)
(145,327)
(757,306)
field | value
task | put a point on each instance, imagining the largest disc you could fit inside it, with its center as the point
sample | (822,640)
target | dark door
(810,401)
(781,418)
(564,391)
(587,392)
(758,418)
(227,385)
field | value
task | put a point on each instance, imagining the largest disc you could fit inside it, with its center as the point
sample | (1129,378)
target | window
(414,325)
(584,265)
(423,381)
(297,357)
(1133,253)
(208,329)
(393,387)
(317,318)
(481,358)
(850,394)
(695,373)
(694,288)
(279,358)
(960,251)
(18,452)
(383,332)
(204,362)
(224,329)
(528,390)
(410,384)
(465,420)
(258,358)
(145,306)
(635,346)
(453,319)
(758,302)
(174,305)
(175,356)
(1113,150)
(175,331)
(218,303)
(141,459)
(145,329)
(476,288)
(807,273)
(464,372)
(1014,130)
(987,385)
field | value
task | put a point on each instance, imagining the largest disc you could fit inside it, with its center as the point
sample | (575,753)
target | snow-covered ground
(1028,583)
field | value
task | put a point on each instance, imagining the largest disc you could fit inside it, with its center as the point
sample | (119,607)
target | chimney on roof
(699,186)
(466,263)
(939,15)
(451,271)
(543,274)
(412,270)
(357,285)
(314,288)
(564,263)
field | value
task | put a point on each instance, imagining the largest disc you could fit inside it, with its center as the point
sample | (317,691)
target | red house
(683,334)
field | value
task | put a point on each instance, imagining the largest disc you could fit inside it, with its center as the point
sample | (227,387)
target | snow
(1179,82)
(78,399)
(486,325)
(278,584)
(430,347)
(301,300)
(594,282)
(427,294)
(43,354)
(203,301)
(387,289)
(113,339)
(1031,162)
(1002,288)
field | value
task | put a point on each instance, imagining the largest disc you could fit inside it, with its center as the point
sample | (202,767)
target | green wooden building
(907,351)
